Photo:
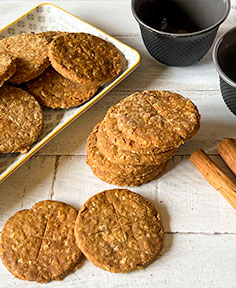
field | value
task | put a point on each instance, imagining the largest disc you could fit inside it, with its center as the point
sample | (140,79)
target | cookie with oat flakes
(159,118)
(51,89)
(96,160)
(120,156)
(7,67)
(38,244)
(51,35)
(118,138)
(119,231)
(31,52)
(85,58)
(21,120)
(127,180)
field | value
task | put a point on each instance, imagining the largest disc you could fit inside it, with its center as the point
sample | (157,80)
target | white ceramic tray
(47,17)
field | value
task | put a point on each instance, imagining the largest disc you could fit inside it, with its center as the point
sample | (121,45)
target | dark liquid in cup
(228,62)
(168,16)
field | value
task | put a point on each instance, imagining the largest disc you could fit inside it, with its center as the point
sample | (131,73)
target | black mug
(224,57)
(179,32)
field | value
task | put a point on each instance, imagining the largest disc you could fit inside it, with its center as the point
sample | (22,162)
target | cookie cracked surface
(38,244)
(85,58)
(119,231)
(159,118)
(117,137)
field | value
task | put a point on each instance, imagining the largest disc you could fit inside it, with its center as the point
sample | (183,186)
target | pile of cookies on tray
(54,69)
(138,135)
(117,230)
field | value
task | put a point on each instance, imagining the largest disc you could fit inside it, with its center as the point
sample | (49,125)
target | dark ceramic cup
(179,32)
(224,57)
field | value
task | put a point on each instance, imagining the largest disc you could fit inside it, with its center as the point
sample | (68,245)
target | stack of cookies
(57,70)
(138,135)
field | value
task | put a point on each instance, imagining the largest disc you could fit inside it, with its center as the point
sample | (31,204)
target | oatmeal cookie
(96,160)
(158,118)
(53,90)
(21,120)
(51,35)
(128,180)
(114,154)
(84,58)
(31,52)
(7,67)
(119,231)
(118,138)
(38,244)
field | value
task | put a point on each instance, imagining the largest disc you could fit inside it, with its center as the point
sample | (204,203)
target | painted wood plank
(114,17)
(31,183)
(152,75)
(197,261)
(185,200)
(191,203)
(217,122)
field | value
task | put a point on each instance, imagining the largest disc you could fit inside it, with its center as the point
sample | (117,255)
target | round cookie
(7,67)
(38,244)
(158,118)
(84,58)
(51,89)
(96,160)
(31,52)
(118,138)
(51,35)
(129,180)
(119,231)
(21,120)
(179,111)
(125,157)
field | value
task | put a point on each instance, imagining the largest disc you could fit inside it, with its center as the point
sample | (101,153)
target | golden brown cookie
(38,244)
(7,67)
(84,58)
(96,160)
(51,35)
(31,52)
(120,156)
(158,118)
(127,180)
(179,111)
(53,90)
(21,120)
(118,138)
(119,231)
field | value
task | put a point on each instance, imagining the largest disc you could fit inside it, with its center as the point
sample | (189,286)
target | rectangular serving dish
(49,17)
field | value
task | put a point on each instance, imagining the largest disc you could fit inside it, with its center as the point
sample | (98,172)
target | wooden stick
(215,176)
(227,150)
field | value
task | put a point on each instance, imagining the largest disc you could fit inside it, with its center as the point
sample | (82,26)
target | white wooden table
(200,239)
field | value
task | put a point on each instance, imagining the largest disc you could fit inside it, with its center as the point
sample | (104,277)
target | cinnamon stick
(215,176)
(227,150)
